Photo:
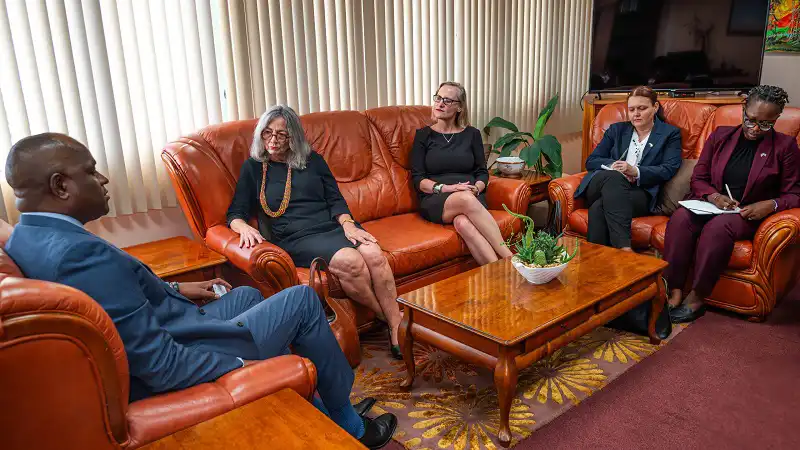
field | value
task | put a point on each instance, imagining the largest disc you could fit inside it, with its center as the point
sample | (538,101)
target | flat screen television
(695,45)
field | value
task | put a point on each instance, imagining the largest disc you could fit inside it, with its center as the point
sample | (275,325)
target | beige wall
(124,231)
(783,69)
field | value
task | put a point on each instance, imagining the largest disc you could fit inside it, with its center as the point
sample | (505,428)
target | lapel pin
(651,144)
(763,155)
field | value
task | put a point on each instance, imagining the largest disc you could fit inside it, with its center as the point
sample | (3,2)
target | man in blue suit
(171,343)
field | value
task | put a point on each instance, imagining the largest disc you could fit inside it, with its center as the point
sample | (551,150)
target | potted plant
(540,152)
(539,257)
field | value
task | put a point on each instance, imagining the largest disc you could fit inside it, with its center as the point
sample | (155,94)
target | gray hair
(299,149)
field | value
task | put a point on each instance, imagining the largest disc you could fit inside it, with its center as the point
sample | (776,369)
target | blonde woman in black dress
(448,170)
(299,207)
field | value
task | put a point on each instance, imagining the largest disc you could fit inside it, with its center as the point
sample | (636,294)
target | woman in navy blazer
(627,169)
(754,164)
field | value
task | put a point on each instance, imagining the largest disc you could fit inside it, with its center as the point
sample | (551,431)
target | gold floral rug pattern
(453,404)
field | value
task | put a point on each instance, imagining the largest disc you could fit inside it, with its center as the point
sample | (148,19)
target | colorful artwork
(783,29)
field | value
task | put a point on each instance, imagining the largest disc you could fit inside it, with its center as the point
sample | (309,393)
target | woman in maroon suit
(751,166)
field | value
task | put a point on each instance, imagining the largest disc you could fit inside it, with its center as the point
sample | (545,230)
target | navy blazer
(169,342)
(660,160)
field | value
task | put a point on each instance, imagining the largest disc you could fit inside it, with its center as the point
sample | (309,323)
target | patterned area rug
(453,404)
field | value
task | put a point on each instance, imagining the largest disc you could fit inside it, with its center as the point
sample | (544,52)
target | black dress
(453,160)
(308,228)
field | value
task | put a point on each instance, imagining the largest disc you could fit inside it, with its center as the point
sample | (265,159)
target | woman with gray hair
(301,210)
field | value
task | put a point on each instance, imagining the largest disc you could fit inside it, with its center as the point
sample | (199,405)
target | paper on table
(701,207)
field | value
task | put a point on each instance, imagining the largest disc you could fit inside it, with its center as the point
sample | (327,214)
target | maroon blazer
(775,174)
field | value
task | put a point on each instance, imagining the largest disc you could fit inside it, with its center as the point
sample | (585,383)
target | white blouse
(636,149)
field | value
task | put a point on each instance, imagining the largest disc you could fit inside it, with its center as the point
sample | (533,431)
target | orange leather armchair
(64,376)
(368,153)
(760,271)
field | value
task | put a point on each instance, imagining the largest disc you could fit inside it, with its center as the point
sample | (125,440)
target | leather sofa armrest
(265,377)
(159,416)
(515,194)
(266,263)
(773,235)
(562,190)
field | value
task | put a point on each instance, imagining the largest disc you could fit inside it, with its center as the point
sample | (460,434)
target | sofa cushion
(741,258)
(641,227)
(676,189)
(413,244)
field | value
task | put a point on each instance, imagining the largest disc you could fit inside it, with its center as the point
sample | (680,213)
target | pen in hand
(735,203)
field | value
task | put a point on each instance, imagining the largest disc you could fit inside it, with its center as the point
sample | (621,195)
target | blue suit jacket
(169,343)
(660,160)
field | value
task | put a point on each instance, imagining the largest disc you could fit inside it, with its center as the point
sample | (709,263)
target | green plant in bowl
(541,152)
(538,249)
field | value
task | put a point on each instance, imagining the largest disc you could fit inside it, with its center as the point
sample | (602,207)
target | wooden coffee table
(492,317)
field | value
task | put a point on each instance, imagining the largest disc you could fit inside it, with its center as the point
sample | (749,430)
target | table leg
(407,341)
(505,380)
(657,304)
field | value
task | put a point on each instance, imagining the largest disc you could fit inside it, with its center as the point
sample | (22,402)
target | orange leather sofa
(368,153)
(64,376)
(760,271)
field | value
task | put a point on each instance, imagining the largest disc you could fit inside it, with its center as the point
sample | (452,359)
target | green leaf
(510,146)
(531,154)
(508,137)
(544,116)
(551,149)
(499,122)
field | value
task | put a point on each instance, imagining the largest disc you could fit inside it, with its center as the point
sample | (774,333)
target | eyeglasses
(763,125)
(280,136)
(446,101)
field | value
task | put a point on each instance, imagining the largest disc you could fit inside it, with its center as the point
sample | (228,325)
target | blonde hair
(462,118)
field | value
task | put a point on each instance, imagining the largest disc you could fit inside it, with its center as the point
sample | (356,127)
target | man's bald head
(52,172)
(33,159)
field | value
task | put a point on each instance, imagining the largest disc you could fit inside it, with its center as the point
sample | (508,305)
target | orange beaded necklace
(287,192)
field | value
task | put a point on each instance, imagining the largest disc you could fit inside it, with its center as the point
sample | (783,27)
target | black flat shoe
(379,431)
(396,353)
(683,314)
(364,406)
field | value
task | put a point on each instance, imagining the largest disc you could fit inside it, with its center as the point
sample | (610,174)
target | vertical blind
(126,76)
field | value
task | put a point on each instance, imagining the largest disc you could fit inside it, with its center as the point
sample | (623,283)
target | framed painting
(783,26)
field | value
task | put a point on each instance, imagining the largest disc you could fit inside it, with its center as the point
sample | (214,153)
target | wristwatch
(437,188)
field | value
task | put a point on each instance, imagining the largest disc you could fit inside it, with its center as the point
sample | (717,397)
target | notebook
(704,208)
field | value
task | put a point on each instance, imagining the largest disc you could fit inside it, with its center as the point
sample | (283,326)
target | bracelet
(348,220)
(437,188)
(776,205)
(174,285)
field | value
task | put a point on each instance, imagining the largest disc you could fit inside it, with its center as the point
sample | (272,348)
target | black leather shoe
(683,314)
(396,353)
(364,406)
(379,431)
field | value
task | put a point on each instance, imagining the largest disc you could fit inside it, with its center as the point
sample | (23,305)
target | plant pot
(536,275)
(510,166)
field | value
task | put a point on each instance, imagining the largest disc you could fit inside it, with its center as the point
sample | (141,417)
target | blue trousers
(293,317)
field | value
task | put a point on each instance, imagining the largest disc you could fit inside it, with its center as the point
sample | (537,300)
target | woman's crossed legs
(476,225)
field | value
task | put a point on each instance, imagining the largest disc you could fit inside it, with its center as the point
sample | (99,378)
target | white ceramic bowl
(510,165)
(537,276)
